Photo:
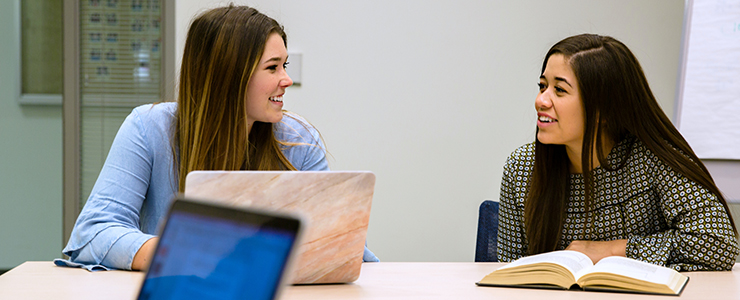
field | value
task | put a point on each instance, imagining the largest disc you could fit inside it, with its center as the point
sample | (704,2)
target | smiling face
(560,113)
(267,85)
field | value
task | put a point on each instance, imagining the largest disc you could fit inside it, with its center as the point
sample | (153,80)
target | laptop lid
(214,252)
(335,204)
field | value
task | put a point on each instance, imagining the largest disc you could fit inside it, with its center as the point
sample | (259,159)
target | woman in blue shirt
(228,116)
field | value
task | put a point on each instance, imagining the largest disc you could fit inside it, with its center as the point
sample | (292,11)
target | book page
(633,268)
(573,261)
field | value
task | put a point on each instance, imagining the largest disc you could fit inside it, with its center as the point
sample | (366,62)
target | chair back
(485,246)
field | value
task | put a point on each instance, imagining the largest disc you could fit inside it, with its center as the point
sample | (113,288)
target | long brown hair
(617,102)
(222,50)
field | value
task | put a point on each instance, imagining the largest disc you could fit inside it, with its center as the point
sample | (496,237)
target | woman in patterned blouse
(608,173)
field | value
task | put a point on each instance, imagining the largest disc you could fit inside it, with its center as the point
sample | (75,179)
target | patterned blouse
(667,219)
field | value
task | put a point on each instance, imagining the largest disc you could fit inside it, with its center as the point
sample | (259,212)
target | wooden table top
(385,280)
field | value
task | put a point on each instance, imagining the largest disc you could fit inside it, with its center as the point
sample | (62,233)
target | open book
(574,270)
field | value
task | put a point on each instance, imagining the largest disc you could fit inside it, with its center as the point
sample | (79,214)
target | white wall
(432,96)
(30,163)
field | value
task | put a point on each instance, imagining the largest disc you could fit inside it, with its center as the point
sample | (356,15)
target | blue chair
(485,246)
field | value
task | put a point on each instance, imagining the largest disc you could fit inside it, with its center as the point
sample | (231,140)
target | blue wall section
(30,163)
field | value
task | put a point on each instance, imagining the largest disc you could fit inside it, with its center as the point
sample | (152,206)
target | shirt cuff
(123,250)
(651,249)
(369,256)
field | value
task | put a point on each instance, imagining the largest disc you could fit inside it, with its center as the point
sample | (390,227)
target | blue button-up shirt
(137,184)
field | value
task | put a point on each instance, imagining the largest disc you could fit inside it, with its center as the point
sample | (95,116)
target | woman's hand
(144,255)
(596,250)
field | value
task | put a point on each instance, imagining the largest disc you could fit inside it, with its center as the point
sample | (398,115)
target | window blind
(120,68)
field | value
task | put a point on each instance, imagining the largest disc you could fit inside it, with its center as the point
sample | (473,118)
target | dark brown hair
(617,102)
(223,47)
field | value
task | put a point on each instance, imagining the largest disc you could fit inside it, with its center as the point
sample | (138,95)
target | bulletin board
(708,97)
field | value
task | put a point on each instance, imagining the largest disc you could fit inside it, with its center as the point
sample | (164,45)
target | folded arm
(700,235)
(512,239)
(107,231)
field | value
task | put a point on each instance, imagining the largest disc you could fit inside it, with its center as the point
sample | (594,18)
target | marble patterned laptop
(335,204)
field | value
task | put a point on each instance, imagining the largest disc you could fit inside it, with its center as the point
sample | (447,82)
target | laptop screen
(219,253)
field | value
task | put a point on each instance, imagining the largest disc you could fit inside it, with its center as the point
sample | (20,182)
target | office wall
(433,96)
(30,163)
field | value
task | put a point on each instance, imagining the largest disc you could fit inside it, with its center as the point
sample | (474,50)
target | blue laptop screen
(206,257)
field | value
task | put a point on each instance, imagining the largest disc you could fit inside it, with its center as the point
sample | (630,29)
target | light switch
(294,67)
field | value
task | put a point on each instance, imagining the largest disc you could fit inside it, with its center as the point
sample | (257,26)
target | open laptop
(335,205)
(207,251)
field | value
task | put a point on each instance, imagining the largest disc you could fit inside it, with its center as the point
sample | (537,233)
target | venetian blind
(120,68)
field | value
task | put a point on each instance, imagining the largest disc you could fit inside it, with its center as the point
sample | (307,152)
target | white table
(385,280)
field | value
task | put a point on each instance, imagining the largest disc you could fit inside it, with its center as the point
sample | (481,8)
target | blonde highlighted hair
(222,50)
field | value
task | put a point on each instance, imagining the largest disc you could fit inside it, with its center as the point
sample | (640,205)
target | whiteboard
(708,97)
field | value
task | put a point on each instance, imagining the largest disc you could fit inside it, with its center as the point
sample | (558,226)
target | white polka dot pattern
(668,220)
